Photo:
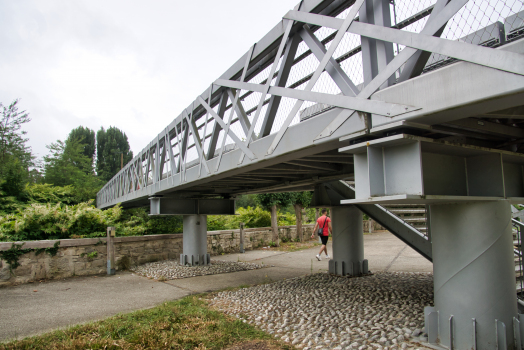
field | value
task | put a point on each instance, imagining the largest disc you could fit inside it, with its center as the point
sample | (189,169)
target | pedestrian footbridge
(372,104)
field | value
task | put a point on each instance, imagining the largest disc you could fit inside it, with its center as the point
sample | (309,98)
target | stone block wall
(88,256)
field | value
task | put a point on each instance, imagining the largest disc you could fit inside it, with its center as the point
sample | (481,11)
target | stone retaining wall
(88,256)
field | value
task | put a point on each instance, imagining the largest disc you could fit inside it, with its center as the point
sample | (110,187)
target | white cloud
(130,64)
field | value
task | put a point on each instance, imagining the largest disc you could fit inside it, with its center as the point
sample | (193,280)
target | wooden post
(242,250)
(121,161)
(370,225)
(110,251)
(298,214)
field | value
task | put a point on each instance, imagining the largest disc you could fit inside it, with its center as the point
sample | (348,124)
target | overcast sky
(130,64)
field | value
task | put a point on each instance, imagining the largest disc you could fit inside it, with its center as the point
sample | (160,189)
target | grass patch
(183,324)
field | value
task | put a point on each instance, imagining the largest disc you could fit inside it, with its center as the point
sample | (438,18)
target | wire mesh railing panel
(301,70)
(479,22)
(286,104)
(353,68)
(477,15)
(404,9)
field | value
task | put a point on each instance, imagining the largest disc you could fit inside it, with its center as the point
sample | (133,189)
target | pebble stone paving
(171,269)
(321,311)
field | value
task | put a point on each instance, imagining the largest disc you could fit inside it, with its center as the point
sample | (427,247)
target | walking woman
(323,223)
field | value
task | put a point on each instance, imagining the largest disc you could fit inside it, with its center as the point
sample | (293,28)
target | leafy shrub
(251,217)
(286,219)
(58,221)
(47,193)
(218,222)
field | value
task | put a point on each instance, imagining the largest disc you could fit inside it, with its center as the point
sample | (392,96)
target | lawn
(183,324)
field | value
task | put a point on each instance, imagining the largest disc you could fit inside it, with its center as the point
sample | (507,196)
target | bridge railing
(323,55)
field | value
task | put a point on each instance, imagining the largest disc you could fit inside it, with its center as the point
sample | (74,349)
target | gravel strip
(172,270)
(382,311)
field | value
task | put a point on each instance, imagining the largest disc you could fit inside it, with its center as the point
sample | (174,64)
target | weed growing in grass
(184,324)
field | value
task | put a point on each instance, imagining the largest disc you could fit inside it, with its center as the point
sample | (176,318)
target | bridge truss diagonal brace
(333,68)
(282,77)
(198,142)
(316,75)
(347,102)
(431,28)
(202,157)
(234,105)
(241,112)
(235,138)
(283,42)
(416,63)
(498,59)
(216,127)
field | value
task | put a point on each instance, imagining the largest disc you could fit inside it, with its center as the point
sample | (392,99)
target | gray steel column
(195,241)
(376,54)
(474,275)
(348,242)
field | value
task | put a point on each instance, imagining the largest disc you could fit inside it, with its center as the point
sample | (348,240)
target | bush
(286,219)
(59,221)
(47,193)
(251,217)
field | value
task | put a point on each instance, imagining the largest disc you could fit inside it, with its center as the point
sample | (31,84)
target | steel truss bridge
(369,103)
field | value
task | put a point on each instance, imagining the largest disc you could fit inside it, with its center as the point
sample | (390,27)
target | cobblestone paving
(171,269)
(381,311)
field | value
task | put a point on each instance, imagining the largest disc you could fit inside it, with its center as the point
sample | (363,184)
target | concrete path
(35,308)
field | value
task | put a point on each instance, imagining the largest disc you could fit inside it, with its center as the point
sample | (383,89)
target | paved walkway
(40,307)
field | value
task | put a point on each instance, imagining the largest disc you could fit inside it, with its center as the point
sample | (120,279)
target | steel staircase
(413,214)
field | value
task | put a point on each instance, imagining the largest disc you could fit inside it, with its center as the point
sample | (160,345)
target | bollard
(110,250)
(242,250)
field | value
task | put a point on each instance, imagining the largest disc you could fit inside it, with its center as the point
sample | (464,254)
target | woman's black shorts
(324,239)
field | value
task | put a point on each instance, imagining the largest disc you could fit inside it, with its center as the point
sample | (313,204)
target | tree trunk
(274,224)
(316,214)
(298,214)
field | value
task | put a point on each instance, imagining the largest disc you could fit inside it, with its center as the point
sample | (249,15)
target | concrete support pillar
(348,242)
(195,241)
(474,276)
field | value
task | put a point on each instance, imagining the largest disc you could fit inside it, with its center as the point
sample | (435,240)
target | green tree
(110,145)
(15,154)
(246,200)
(300,200)
(14,177)
(86,137)
(66,165)
(13,143)
(272,202)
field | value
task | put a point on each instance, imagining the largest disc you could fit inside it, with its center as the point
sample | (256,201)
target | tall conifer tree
(110,144)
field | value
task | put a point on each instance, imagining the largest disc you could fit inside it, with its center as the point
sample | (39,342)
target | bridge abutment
(195,241)
(474,276)
(348,242)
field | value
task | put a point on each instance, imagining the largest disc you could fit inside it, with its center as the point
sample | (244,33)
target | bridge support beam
(195,241)
(348,242)
(474,276)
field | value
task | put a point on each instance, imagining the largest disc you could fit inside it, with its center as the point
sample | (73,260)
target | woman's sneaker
(318,257)
(327,257)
